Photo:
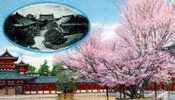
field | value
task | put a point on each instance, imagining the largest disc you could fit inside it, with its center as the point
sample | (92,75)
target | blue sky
(102,12)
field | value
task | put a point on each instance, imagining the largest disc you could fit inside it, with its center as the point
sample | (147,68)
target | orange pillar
(161,85)
(170,85)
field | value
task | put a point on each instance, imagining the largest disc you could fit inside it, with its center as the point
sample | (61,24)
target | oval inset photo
(46,26)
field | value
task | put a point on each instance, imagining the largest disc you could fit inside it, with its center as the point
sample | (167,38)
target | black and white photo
(46,26)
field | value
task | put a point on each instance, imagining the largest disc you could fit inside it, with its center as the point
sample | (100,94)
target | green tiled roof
(45,79)
(13,75)
(53,79)
(86,81)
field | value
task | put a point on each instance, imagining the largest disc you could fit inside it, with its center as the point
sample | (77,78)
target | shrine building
(14,80)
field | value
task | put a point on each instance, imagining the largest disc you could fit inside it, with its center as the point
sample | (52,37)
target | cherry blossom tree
(139,53)
(115,65)
(147,25)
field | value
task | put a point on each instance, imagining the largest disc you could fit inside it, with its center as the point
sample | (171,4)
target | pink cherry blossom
(139,52)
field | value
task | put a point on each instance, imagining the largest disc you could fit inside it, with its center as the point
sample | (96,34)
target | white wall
(30,97)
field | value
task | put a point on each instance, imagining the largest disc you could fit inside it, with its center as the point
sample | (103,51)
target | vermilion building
(14,80)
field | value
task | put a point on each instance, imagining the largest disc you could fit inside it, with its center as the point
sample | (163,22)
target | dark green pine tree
(31,70)
(57,68)
(44,69)
(65,82)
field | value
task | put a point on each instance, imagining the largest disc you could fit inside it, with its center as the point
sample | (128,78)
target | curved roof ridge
(7,55)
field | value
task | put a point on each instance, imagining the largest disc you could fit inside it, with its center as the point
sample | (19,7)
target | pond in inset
(46,26)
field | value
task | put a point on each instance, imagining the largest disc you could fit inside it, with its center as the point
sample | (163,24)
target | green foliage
(65,81)
(57,68)
(31,70)
(67,86)
(44,69)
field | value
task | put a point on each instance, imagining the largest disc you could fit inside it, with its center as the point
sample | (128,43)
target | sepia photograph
(46,27)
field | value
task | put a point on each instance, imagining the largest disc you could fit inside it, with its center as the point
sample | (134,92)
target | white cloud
(108,31)
(173,1)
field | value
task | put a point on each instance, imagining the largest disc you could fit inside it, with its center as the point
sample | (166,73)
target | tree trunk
(64,95)
(120,93)
(107,93)
(142,92)
(134,92)
(124,94)
(123,91)
(132,95)
(155,89)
